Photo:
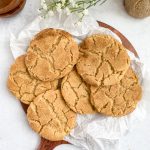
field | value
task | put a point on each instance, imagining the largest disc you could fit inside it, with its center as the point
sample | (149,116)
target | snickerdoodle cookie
(76,93)
(49,116)
(120,99)
(23,86)
(103,60)
(51,54)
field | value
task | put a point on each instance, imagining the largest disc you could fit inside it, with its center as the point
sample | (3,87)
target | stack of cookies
(59,79)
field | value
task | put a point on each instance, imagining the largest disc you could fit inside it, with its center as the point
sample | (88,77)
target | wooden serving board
(49,145)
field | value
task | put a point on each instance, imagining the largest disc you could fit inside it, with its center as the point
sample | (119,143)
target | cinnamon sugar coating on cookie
(120,99)
(51,55)
(23,86)
(76,93)
(49,116)
(103,60)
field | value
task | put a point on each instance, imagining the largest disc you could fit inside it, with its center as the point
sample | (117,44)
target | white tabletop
(15,134)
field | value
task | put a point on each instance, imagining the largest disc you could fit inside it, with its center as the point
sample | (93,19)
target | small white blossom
(79,23)
(85,12)
(93,2)
(44,7)
(63,2)
(43,2)
(67,11)
(49,7)
(59,10)
(75,5)
(58,7)
(50,13)
(72,2)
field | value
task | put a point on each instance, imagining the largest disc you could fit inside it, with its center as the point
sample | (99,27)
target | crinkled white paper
(93,132)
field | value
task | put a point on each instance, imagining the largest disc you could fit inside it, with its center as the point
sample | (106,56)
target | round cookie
(49,116)
(76,93)
(23,86)
(103,60)
(51,55)
(120,99)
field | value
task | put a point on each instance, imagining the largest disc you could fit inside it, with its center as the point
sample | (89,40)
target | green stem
(81,5)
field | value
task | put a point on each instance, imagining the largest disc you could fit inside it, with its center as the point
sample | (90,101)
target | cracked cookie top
(49,116)
(51,55)
(103,60)
(76,93)
(120,99)
(23,86)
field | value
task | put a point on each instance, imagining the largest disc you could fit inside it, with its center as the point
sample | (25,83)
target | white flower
(80,15)
(75,5)
(79,23)
(93,2)
(67,11)
(39,11)
(72,2)
(59,10)
(85,12)
(44,7)
(63,2)
(58,7)
(50,13)
(43,2)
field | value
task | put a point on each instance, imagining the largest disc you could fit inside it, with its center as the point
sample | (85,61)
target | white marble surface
(15,134)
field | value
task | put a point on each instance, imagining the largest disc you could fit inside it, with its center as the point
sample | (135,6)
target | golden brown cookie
(103,60)
(120,99)
(76,93)
(49,116)
(23,86)
(51,55)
